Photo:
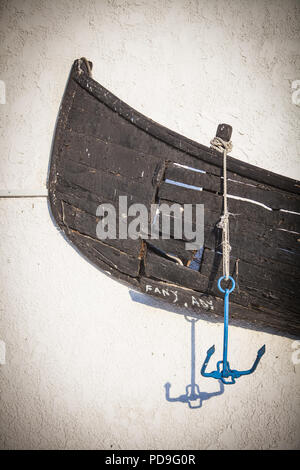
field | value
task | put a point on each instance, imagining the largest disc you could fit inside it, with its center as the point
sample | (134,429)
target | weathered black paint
(103,149)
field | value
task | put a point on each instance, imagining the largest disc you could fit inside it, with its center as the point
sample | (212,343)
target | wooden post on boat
(224,132)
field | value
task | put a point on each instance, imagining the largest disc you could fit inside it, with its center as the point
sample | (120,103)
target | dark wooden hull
(103,149)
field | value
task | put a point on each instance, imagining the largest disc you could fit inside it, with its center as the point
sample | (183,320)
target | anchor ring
(232,287)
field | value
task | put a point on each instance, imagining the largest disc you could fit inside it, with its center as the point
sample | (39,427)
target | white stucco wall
(85,363)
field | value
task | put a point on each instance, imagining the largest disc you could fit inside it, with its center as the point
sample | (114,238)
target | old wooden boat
(103,149)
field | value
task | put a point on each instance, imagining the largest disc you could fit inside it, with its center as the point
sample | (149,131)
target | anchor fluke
(261,351)
(210,351)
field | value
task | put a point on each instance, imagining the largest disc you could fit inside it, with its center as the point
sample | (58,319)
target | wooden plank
(86,204)
(163,269)
(242,209)
(86,224)
(244,244)
(251,296)
(247,275)
(127,132)
(178,141)
(267,267)
(278,283)
(107,186)
(112,158)
(250,245)
(98,260)
(78,197)
(107,125)
(260,319)
(58,141)
(267,195)
(192,281)
(172,247)
(160,268)
(111,256)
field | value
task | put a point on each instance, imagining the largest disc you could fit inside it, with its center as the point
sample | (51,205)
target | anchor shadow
(189,397)
(193,396)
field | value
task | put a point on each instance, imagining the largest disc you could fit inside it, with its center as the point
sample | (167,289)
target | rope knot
(223,221)
(220,145)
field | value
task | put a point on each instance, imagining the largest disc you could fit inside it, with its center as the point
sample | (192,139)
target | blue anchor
(223,371)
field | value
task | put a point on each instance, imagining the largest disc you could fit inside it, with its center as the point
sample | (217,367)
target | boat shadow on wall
(103,149)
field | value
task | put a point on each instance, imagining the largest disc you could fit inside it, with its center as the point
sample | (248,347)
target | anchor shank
(225,341)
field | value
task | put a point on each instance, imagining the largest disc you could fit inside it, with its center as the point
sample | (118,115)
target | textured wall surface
(86,359)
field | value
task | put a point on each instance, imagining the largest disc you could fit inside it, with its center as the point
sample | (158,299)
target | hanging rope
(225,147)
(223,371)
